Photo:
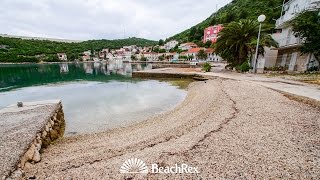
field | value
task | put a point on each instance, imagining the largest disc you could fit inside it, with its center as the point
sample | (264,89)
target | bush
(245,67)
(206,67)
(313,68)
(143,59)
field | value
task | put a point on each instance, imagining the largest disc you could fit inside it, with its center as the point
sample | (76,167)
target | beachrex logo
(134,166)
(137,166)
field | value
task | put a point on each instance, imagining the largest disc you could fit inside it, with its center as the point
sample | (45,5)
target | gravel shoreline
(227,129)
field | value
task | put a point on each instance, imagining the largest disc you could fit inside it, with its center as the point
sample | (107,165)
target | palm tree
(236,41)
(265,41)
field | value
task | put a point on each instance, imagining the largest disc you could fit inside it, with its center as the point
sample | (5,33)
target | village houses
(62,56)
(187,46)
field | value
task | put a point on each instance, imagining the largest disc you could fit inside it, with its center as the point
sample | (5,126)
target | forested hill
(21,50)
(234,11)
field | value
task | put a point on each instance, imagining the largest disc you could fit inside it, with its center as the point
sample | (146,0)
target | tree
(22,50)
(133,57)
(202,55)
(161,58)
(236,40)
(307,27)
(73,57)
(161,42)
(265,40)
(207,44)
(143,58)
(156,49)
(162,51)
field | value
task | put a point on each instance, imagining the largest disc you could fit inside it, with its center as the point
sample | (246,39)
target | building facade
(211,33)
(62,56)
(212,56)
(171,44)
(289,55)
(187,46)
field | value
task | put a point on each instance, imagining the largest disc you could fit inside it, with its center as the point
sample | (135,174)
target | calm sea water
(95,96)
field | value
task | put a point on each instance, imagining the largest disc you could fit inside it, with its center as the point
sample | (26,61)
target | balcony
(289,42)
(294,7)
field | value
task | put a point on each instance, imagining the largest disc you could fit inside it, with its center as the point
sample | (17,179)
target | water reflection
(64,68)
(96,95)
(24,75)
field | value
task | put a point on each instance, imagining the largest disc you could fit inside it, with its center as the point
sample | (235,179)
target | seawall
(25,132)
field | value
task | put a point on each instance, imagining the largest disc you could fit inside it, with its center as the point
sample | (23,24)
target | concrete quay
(25,131)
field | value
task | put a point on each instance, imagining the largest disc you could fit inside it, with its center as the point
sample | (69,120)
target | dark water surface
(95,96)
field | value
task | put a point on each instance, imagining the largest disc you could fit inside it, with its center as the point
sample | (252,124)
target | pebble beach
(228,129)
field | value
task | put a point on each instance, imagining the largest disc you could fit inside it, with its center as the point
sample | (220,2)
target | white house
(171,44)
(288,51)
(193,53)
(62,56)
(212,56)
(109,56)
(151,56)
(187,46)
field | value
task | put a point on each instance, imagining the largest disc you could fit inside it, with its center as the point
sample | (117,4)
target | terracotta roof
(150,53)
(189,43)
(194,50)
(209,50)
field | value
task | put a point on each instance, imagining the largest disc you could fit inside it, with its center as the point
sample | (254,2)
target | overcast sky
(103,19)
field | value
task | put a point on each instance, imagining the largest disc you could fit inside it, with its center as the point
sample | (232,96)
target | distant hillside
(40,38)
(22,50)
(234,11)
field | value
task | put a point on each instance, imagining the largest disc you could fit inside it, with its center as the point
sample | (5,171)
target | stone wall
(53,129)
(141,74)
(158,66)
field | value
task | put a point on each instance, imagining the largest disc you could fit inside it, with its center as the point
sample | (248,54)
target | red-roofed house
(210,53)
(212,56)
(193,52)
(187,46)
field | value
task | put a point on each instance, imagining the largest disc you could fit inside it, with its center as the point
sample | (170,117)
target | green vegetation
(234,11)
(238,40)
(18,50)
(206,67)
(161,42)
(143,58)
(307,27)
(133,57)
(202,55)
(158,50)
(161,58)
(245,67)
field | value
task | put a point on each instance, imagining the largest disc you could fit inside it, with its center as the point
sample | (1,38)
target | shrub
(245,67)
(143,59)
(206,67)
(313,68)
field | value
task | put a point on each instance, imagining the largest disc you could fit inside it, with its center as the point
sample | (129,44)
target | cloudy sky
(103,19)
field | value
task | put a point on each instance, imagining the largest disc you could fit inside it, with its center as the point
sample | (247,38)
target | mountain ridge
(234,11)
